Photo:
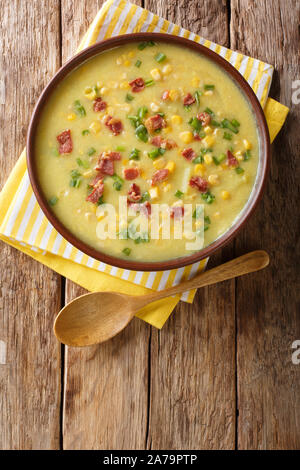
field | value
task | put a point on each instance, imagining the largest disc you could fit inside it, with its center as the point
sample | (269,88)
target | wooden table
(219,374)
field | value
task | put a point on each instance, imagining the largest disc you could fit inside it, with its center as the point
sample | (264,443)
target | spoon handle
(253,261)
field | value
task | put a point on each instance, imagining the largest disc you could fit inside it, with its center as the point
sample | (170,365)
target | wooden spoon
(96,317)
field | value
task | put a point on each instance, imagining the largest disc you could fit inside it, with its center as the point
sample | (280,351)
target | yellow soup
(155,124)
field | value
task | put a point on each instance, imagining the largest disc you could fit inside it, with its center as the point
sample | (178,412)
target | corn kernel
(208,130)
(170,166)
(167,130)
(213,179)
(124,162)
(89,93)
(154,107)
(131,54)
(208,141)
(153,192)
(217,215)
(159,163)
(167,188)
(167,69)
(119,61)
(127,63)
(199,169)
(155,74)
(208,93)
(208,159)
(71,117)
(95,127)
(104,90)
(245,178)
(99,84)
(173,95)
(186,137)
(247,144)
(195,82)
(225,195)
(176,119)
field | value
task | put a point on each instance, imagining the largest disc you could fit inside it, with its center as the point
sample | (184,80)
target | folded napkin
(24,226)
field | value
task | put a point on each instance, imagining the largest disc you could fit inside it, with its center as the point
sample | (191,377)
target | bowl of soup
(148,151)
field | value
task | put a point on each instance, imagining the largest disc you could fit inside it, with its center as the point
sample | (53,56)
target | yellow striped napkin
(23,224)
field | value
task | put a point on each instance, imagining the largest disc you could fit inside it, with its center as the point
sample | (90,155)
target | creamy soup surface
(155,123)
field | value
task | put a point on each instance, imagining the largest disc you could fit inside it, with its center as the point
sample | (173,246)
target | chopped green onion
(219,159)
(91,151)
(134,154)
(227,136)
(226,124)
(247,155)
(79,109)
(160,57)
(235,123)
(149,82)
(209,87)
(195,123)
(118,182)
(198,159)
(100,201)
(120,148)
(197,97)
(239,170)
(142,111)
(178,193)
(145,197)
(138,63)
(187,107)
(208,197)
(129,97)
(134,120)
(82,163)
(144,44)
(209,111)
(85,132)
(207,219)
(126,251)
(142,133)
(53,201)
(75,179)
(156,153)
(197,212)
(215,123)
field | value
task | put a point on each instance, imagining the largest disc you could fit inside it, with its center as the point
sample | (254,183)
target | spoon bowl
(96,317)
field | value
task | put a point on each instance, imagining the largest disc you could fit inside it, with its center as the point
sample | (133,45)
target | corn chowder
(155,123)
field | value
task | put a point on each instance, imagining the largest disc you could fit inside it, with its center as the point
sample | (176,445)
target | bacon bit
(96,193)
(200,183)
(189,154)
(188,100)
(159,176)
(231,160)
(131,173)
(105,166)
(177,212)
(65,142)
(115,125)
(134,193)
(205,118)
(97,178)
(99,105)
(166,95)
(137,85)
(113,156)
(163,143)
(146,208)
(197,136)
(153,123)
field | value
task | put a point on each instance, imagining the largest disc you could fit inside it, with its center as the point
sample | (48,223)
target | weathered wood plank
(105,402)
(192,399)
(29,292)
(268,321)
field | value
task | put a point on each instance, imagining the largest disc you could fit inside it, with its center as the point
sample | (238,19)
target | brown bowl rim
(175,263)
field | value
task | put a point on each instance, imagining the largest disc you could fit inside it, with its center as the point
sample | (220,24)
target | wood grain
(268,319)
(192,399)
(29,292)
(106,387)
